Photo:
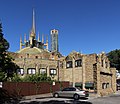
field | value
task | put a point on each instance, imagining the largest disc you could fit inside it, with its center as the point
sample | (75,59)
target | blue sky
(87,26)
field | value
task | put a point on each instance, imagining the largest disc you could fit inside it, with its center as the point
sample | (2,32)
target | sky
(86,26)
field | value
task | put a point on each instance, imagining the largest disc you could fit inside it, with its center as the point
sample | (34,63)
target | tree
(6,64)
(114,57)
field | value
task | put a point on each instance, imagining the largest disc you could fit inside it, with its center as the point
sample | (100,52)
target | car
(71,92)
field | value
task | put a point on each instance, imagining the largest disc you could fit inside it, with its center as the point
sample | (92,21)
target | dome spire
(33,25)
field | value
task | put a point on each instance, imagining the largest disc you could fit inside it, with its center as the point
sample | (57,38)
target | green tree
(6,64)
(114,57)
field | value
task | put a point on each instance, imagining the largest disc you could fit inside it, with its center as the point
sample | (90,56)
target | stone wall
(89,61)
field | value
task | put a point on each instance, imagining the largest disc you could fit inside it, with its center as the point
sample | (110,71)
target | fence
(31,88)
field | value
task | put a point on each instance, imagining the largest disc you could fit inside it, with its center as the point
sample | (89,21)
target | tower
(54,40)
(32,34)
(32,41)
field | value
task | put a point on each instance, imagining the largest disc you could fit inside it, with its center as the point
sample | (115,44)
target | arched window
(43,71)
(104,86)
(31,71)
(20,71)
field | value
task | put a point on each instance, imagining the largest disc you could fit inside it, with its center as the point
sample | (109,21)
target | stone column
(83,72)
(113,82)
(98,77)
(73,70)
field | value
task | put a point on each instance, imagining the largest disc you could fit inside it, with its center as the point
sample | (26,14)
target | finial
(38,36)
(42,38)
(24,38)
(20,42)
(20,38)
(33,25)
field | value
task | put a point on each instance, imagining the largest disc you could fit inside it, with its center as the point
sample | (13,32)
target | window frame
(53,71)
(69,64)
(42,70)
(20,72)
(78,63)
(33,71)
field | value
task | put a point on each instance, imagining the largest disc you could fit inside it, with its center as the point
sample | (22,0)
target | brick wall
(29,88)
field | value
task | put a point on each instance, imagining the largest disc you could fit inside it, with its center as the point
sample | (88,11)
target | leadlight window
(20,71)
(43,71)
(53,71)
(31,71)
(69,64)
(78,63)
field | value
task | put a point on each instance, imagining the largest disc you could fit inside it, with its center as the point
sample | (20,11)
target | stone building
(34,56)
(88,71)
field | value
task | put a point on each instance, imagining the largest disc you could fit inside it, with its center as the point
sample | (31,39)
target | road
(112,99)
(101,100)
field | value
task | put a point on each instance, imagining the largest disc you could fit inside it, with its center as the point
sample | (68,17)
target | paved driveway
(111,99)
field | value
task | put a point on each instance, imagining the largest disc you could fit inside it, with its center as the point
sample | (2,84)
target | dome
(29,50)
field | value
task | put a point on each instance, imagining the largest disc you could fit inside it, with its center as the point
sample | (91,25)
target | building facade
(89,72)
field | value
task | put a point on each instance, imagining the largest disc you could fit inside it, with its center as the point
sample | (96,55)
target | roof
(29,50)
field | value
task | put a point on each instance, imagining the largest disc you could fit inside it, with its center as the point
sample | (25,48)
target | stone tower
(54,41)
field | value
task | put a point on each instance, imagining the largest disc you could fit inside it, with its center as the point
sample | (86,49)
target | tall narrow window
(102,63)
(69,64)
(106,64)
(78,63)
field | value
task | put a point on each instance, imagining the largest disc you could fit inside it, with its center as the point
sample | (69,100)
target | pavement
(49,95)
(48,99)
(40,96)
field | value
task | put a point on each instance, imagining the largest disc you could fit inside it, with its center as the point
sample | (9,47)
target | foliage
(16,78)
(6,64)
(114,57)
(2,76)
(31,78)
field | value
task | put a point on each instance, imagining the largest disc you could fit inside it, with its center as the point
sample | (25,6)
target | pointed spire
(47,39)
(38,37)
(33,25)
(20,42)
(24,38)
(47,43)
(42,38)
(20,39)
